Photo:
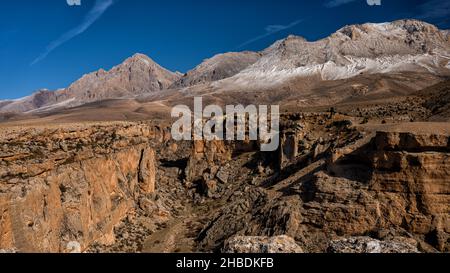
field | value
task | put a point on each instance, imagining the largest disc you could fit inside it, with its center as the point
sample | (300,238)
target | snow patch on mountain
(332,71)
(400,46)
(61,104)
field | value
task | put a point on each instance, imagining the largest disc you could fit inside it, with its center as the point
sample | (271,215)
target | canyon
(128,187)
(363,164)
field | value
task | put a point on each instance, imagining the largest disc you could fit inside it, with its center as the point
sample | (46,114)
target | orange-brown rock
(62,188)
(147,171)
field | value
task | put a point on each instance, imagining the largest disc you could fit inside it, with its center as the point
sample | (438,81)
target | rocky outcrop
(254,244)
(62,190)
(391,186)
(147,171)
(204,167)
(397,181)
(289,148)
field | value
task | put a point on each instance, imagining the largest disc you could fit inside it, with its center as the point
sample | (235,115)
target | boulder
(369,245)
(259,244)
(222,175)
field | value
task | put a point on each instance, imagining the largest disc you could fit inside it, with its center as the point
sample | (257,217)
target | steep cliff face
(393,187)
(62,190)
(396,183)
(413,172)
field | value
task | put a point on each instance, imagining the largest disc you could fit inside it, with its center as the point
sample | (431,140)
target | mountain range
(414,54)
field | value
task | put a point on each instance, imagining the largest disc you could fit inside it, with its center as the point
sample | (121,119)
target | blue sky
(49,44)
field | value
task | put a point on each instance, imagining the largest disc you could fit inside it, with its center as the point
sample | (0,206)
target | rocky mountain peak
(412,26)
(283,44)
(140,58)
(138,74)
(219,67)
(399,35)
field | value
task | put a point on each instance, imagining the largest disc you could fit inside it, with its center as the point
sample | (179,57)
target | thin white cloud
(274,28)
(337,3)
(93,15)
(270,30)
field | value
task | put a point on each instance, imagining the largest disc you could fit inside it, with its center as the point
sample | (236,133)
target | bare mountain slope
(217,68)
(411,51)
(38,99)
(437,100)
(400,46)
(135,76)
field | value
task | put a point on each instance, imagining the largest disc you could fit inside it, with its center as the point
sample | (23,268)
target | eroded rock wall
(59,193)
(394,186)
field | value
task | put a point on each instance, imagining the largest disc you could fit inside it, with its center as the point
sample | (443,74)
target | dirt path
(178,235)
(173,238)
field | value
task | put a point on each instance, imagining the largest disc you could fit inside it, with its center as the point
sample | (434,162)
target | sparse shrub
(332,112)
